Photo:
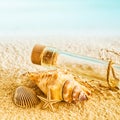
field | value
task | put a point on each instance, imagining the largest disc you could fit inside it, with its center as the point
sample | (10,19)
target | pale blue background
(59,16)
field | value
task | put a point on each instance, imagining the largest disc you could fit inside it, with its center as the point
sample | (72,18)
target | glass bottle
(82,65)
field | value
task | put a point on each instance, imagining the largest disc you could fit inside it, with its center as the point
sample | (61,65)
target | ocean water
(38,17)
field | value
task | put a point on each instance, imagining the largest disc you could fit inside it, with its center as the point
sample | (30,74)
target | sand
(103,104)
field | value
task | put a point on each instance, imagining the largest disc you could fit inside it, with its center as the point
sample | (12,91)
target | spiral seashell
(25,97)
(73,92)
(63,85)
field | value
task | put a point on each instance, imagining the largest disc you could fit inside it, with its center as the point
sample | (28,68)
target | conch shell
(63,85)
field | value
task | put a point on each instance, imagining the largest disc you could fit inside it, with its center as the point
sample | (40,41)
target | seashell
(63,85)
(25,97)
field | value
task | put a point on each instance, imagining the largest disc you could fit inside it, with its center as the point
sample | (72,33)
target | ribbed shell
(25,97)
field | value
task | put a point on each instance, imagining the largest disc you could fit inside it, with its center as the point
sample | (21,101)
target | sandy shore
(104,104)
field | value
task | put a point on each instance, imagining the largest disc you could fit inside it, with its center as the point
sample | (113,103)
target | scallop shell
(25,97)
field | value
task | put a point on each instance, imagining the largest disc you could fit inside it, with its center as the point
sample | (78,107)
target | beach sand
(103,104)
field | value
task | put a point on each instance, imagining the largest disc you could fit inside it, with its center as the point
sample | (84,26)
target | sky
(20,17)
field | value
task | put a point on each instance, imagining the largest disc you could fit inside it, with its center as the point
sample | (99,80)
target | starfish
(48,102)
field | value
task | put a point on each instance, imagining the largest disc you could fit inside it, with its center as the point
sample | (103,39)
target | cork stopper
(36,54)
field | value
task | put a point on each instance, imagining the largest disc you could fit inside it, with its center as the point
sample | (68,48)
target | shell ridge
(25,97)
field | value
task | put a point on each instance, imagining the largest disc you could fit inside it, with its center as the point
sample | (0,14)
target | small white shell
(25,97)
